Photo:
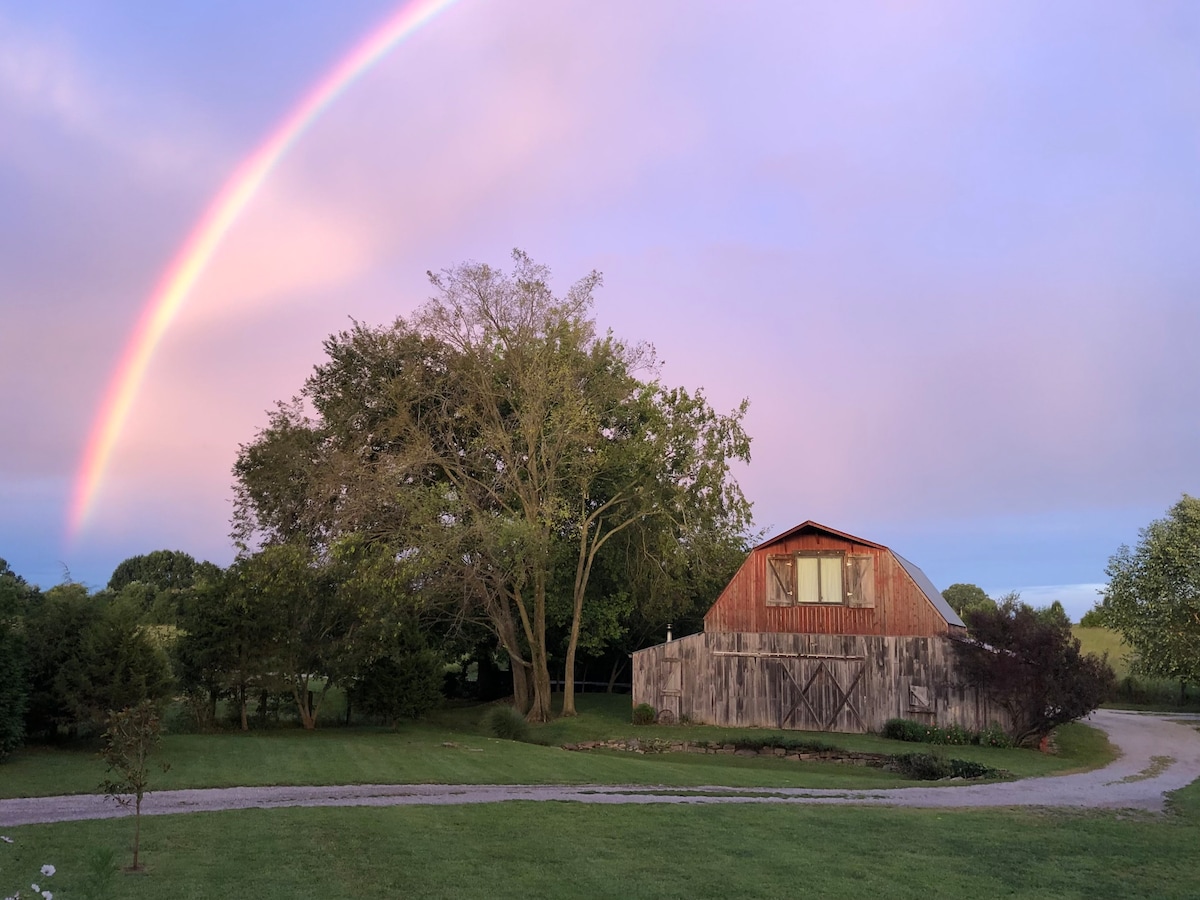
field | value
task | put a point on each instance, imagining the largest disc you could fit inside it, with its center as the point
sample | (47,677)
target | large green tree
(163,569)
(153,584)
(500,444)
(87,656)
(15,597)
(965,598)
(311,623)
(226,636)
(1153,595)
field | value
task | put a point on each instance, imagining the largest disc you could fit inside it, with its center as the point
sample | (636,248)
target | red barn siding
(901,608)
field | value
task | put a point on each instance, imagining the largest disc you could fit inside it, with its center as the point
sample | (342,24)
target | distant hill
(1104,640)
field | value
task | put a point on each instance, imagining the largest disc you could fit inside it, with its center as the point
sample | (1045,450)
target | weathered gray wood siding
(810,682)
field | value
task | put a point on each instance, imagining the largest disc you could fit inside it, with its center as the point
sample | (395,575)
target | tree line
(268,637)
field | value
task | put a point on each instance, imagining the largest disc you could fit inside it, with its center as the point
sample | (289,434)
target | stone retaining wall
(661,745)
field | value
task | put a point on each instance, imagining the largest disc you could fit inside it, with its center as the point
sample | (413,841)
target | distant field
(1104,640)
(1135,691)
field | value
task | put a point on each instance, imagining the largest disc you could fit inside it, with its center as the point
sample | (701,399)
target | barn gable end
(894,596)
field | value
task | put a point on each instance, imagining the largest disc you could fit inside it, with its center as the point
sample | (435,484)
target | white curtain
(831,579)
(808,579)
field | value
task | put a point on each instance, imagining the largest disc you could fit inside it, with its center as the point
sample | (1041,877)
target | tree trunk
(540,710)
(581,572)
(303,697)
(568,704)
(242,707)
(506,631)
(617,669)
(522,698)
(137,831)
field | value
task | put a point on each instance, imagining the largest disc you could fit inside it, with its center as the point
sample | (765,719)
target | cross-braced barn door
(821,694)
(671,689)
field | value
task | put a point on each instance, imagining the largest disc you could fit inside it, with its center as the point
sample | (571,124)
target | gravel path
(1158,754)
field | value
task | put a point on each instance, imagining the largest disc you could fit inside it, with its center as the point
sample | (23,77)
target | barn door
(672,686)
(822,694)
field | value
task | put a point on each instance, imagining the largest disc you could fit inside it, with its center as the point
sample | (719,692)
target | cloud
(46,81)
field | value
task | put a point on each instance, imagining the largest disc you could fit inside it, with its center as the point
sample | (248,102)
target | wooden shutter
(918,698)
(861,572)
(781,581)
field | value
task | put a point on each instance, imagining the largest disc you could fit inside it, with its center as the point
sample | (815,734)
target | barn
(819,631)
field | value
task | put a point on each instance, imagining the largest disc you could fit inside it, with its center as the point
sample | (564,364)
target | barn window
(819,578)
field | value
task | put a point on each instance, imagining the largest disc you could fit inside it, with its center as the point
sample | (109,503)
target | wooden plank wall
(900,606)
(846,683)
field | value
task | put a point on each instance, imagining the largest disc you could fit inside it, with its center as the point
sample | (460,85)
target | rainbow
(205,239)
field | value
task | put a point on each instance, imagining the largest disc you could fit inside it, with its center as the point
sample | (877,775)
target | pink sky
(945,251)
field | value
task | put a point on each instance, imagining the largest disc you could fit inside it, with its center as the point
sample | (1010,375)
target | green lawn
(571,850)
(453,747)
(575,850)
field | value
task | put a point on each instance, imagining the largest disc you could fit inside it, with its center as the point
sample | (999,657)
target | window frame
(821,555)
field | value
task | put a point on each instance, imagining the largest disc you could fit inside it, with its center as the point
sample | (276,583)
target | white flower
(48,870)
(6,840)
(46,895)
(35,888)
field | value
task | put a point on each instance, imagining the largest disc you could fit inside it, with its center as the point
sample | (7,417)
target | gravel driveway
(1158,754)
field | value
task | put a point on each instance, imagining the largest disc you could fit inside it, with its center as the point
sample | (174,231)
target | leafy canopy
(964,598)
(1153,595)
(507,452)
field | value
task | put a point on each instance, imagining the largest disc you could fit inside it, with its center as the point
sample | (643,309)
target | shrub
(922,766)
(929,767)
(403,685)
(906,730)
(643,714)
(1027,662)
(507,723)
(954,735)
(790,744)
(966,768)
(994,736)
